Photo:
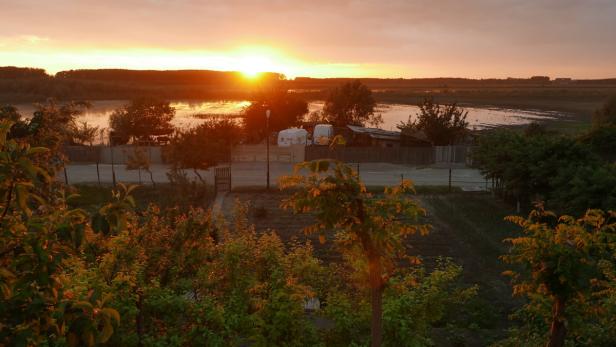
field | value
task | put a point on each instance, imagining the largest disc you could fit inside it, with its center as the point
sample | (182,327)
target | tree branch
(9,197)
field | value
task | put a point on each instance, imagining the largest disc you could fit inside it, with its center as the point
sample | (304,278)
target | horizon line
(296,77)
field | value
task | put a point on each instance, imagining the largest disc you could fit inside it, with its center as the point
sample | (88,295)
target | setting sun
(251,61)
(251,66)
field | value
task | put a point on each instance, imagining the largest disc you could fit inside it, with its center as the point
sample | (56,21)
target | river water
(392,114)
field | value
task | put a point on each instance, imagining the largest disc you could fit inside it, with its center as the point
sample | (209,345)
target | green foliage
(417,301)
(141,121)
(178,277)
(91,197)
(51,126)
(565,272)
(606,115)
(576,188)
(39,238)
(184,279)
(414,302)
(351,103)
(349,311)
(556,169)
(602,140)
(443,125)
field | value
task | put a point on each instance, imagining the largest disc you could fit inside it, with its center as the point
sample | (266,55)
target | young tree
(560,261)
(286,111)
(84,133)
(140,160)
(141,120)
(351,104)
(368,228)
(443,125)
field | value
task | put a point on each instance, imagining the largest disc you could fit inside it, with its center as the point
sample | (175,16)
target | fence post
(401,178)
(98,173)
(450,180)
(357,169)
(113,176)
(65,175)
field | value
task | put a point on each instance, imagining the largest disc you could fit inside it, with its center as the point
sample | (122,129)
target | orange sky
(385,38)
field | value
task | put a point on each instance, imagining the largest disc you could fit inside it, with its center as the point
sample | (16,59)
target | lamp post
(113,175)
(267,117)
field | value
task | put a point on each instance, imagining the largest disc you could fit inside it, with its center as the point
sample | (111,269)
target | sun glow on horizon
(253,64)
(250,61)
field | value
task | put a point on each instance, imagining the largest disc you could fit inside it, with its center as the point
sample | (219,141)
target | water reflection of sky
(478,118)
(393,114)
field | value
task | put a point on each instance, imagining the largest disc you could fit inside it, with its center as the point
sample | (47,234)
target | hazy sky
(396,38)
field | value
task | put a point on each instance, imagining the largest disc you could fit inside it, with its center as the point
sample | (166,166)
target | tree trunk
(152,178)
(139,319)
(558,330)
(376,300)
(375,274)
(199,176)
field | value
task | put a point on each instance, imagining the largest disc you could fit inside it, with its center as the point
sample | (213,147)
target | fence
(83,154)
(452,154)
(107,155)
(397,155)
(252,153)
(293,154)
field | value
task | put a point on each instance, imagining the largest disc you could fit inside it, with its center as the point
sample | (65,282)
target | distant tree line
(25,84)
(30,84)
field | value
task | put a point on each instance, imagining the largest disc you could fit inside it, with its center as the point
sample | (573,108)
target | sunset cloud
(395,38)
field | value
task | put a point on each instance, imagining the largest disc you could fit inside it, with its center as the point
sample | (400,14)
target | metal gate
(222,179)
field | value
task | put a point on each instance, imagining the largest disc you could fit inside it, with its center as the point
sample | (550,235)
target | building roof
(376,133)
(416,134)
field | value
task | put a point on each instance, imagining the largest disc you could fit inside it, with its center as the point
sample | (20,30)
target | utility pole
(267,138)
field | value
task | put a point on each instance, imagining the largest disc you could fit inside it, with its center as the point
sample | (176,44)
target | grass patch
(478,218)
(91,197)
(568,127)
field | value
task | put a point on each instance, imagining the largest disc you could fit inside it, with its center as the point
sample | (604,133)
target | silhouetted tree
(351,104)
(84,133)
(204,146)
(443,125)
(286,111)
(141,120)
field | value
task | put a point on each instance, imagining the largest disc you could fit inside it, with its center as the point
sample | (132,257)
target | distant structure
(540,79)
(361,136)
(374,137)
(562,80)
